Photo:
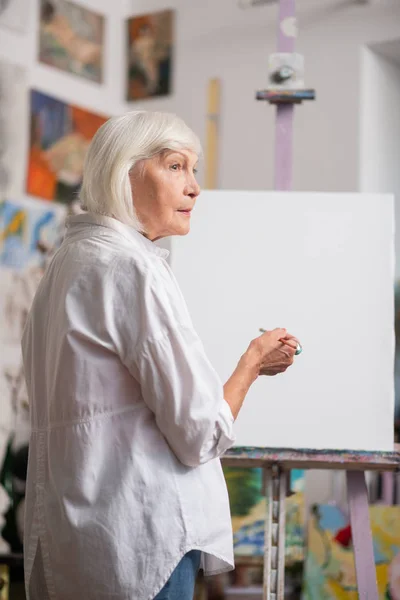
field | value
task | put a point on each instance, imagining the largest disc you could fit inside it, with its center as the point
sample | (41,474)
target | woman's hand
(276,350)
(269,354)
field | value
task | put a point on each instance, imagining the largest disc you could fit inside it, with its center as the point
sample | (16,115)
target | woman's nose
(193,189)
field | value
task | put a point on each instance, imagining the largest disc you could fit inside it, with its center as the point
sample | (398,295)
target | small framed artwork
(71,38)
(150,55)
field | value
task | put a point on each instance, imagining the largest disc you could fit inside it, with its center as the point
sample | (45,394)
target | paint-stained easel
(277,463)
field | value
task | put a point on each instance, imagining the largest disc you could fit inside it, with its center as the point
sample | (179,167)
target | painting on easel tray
(60,136)
(150,49)
(329,570)
(71,38)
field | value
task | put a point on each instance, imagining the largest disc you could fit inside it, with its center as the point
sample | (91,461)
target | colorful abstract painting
(150,49)
(329,570)
(71,38)
(248,509)
(30,231)
(59,139)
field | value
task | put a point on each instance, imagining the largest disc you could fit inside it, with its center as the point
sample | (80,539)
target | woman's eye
(176,167)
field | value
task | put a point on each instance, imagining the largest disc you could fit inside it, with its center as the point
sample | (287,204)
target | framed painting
(150,55)
(60,135)
(71,38)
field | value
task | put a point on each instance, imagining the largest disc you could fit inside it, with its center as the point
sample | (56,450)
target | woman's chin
(182,229)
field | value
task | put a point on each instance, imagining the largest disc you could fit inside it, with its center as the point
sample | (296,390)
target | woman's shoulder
(105,252)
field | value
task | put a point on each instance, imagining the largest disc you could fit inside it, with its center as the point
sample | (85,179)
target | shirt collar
(125,230)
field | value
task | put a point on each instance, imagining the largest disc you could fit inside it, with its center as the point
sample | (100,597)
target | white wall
(218,39)
(380,130)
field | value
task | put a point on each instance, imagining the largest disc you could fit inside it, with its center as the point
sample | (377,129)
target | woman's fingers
(292,343)
(271,339)
(279,336)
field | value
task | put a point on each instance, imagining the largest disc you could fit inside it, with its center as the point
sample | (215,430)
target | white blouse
(128,421)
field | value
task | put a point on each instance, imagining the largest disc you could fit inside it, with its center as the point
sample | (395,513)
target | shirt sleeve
(177,381)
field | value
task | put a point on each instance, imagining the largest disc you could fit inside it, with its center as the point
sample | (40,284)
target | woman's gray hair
(116,148)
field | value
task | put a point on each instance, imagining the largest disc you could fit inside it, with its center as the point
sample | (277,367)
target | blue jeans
(180,586)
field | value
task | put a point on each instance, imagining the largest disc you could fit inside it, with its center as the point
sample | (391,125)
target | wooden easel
(276,464)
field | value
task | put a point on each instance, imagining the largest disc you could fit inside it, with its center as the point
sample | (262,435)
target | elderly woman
(125,495)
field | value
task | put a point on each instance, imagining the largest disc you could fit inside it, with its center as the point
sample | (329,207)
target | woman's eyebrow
(170,153)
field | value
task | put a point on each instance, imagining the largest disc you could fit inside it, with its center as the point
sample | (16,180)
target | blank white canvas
(320,265)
